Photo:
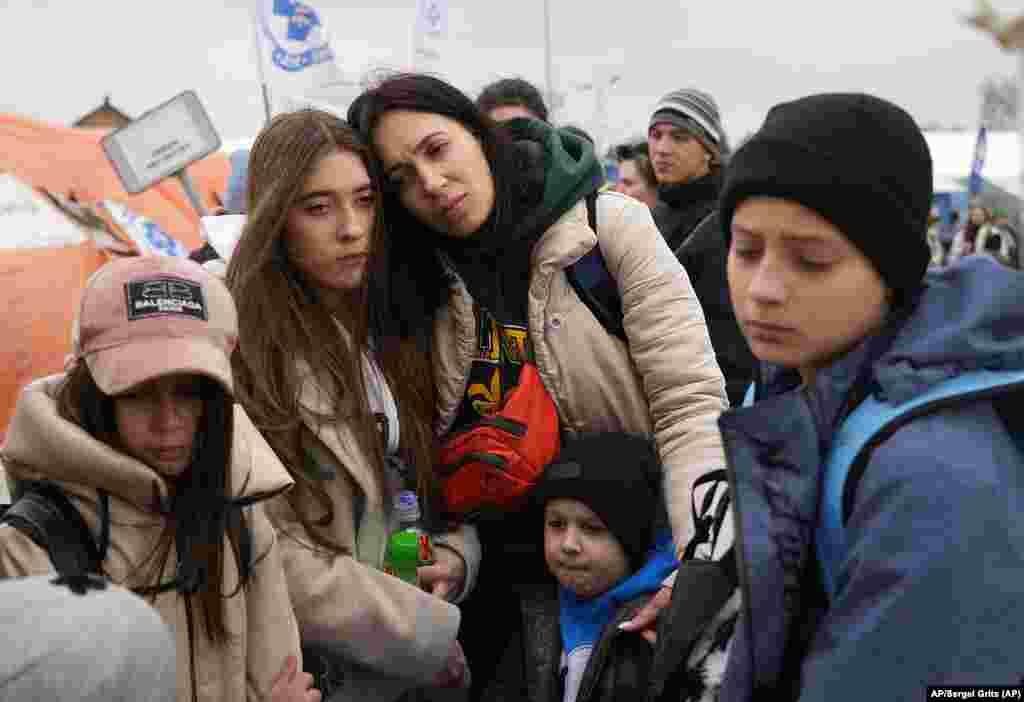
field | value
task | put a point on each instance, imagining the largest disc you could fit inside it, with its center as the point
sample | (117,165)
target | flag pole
(258,48)
(1020,141)
(548,81)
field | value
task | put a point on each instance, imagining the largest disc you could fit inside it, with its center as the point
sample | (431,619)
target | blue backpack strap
(594,284)
(751,395)
(864,429)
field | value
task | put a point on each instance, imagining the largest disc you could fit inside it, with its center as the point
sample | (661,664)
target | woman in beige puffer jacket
(504,211)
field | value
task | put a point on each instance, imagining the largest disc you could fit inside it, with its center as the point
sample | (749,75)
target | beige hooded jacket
(397,635)
(665,383)
(40,445)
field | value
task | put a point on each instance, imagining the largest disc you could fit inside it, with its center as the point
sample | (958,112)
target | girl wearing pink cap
(167,474)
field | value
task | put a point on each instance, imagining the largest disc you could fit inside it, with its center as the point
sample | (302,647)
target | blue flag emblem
(296,35)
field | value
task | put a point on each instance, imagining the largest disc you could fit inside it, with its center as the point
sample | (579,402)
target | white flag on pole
(432,17)
(428,31)
(295,53)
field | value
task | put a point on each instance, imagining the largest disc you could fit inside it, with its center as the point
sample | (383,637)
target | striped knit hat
(690,108)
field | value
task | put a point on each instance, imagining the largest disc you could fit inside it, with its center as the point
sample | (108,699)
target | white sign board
(161,142)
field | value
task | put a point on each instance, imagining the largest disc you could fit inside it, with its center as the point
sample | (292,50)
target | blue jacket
(932,584)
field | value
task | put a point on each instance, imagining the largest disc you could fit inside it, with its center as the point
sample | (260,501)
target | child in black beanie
(875,473)
(599,501)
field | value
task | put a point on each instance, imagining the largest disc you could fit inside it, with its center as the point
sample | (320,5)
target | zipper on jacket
(599,654)
(191,647)
(741,554)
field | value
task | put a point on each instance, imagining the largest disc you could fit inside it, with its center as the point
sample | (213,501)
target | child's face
(582,554)
(157,421)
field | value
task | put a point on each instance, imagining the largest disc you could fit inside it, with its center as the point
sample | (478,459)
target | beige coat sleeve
(671,349)
(371,617)
(272,632)
(20,556)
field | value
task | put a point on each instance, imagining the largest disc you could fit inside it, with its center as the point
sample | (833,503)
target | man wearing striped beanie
(688,148)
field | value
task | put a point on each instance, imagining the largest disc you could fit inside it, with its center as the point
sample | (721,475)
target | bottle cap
(407,507)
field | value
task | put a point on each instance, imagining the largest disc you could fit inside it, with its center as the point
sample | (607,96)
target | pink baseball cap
(148,316)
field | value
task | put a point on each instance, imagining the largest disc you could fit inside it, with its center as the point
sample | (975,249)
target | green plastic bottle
(409,546)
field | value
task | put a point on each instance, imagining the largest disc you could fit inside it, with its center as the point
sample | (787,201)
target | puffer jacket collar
(564,242)
(775,451)
(40,444)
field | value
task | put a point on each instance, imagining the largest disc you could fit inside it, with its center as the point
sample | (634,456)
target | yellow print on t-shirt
(486,400)
(515,344)
(498,345)
(496,342)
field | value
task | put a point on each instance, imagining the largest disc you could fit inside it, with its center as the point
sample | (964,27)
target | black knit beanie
(618,476)
(858,161)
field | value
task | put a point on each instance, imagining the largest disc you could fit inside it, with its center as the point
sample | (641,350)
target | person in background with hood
(169,475)
(688,149)
(487,220)
(826,209)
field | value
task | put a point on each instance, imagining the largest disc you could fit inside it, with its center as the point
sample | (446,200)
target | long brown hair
(197,516)
(281,321)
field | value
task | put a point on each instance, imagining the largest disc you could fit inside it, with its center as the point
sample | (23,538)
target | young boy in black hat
(599,501)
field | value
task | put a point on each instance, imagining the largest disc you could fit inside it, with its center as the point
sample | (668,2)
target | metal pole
(258,48)
(1020,142)
(266,102)
(548,80)
(190,190)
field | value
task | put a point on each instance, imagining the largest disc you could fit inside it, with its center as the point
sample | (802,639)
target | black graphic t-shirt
(501,350)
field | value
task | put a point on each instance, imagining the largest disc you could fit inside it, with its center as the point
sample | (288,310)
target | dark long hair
(411,284)
(199,506)
(280,320)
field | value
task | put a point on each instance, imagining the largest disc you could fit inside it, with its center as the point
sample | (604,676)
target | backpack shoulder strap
(699,235)
(594,284)
(591,202)
(871,423)
(751,395)
(45,514)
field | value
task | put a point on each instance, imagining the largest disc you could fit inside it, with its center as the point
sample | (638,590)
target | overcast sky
(60,57)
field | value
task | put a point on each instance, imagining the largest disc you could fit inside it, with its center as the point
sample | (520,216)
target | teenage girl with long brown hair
(346,410)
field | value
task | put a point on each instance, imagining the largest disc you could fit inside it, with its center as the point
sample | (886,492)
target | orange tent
(37,325)
(70,162)
(41,275)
